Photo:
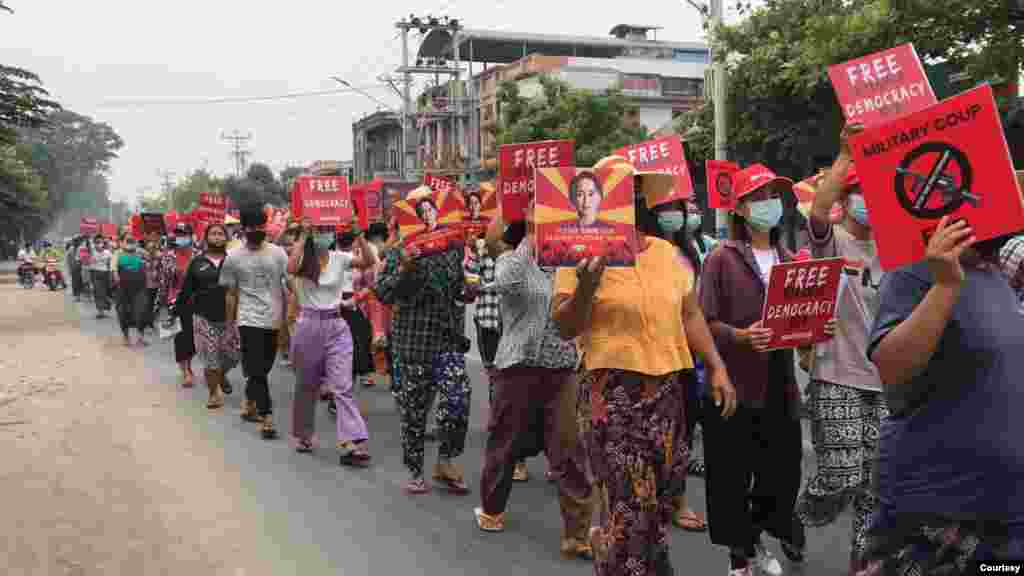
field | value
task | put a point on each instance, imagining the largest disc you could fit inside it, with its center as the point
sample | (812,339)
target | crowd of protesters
(608,371)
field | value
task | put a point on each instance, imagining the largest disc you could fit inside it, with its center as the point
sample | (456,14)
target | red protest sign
(375,201)
(323,200)
(359,204)
(719,175)
(439,183)
(883,86)
(431,224)
(666,156)
(153,223)
(580,213)
(108,230)
(516,163)
(949,160)
(88,226)
(801,299)
(212,208)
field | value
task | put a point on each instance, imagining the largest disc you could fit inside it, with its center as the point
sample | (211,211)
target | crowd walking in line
(608,371)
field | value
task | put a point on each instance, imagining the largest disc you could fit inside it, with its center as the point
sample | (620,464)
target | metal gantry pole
(406,82)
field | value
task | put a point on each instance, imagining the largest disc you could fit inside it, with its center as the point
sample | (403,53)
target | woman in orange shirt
(637,362)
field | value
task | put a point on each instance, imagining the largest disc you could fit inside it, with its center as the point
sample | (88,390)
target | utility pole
(432,68)
(721,114)
(406,91)
(238,152)
(167,178)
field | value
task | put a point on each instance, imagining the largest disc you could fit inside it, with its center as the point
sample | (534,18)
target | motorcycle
(27,275)
(53,277)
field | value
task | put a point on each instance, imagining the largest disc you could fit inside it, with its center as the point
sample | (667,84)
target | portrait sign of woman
(585,195)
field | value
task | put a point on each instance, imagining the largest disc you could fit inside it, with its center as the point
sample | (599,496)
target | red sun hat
(755,177)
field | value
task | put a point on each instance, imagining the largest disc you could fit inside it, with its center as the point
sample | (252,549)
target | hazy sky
(107,57)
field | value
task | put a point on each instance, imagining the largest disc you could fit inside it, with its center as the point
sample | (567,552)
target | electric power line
(170,102)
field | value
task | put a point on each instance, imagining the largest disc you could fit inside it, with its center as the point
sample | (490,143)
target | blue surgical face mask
(182,242)
(765,215)
(858,210)
(694,222)
(671,221)
(323,241)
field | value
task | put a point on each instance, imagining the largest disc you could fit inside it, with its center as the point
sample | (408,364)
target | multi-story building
(376,147)
(456,119)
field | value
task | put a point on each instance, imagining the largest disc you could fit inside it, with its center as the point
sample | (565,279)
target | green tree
(598,122)
(186,191)
(73,153)
(258,185)
(782,108)
(24,103)
(22,195)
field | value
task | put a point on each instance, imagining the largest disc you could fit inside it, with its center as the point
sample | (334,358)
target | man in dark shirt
(947,345)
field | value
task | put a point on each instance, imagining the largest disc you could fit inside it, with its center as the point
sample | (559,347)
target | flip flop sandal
(251,417)
(214,404)
(332,407)
(455,486)
(577,549)
(304,447)
(353,455)
(417,487)
(690,522)
(488,523)
(268,432)
(696,468)
(225,387)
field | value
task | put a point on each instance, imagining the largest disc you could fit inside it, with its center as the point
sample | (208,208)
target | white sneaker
(766,562)
(747,571)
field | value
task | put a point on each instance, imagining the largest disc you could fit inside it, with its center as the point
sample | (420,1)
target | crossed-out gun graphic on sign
(915,197)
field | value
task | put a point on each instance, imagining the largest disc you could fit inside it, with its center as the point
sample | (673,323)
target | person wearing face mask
(254,276)
(100,256)
(846,401)
(132,298)
(534,400)
(947,345)
(679,222)
(753,459)
(639,328)
(151,262)
(172,277)
(322,344)
(216,337)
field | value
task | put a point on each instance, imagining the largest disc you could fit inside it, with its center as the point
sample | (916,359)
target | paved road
(328,520)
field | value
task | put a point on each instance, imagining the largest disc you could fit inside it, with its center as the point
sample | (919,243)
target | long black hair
(310,266)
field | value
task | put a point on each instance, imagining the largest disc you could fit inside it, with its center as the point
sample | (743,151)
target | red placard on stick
(948,160)
(212,208)
(580,213)
(516,163)
(109,230)
(719,174)
(883,86)
(664,155)
(430,225)
(323,200)
(88,226)
(801,299)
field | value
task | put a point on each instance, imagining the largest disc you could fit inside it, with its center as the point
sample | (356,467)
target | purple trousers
(321,351)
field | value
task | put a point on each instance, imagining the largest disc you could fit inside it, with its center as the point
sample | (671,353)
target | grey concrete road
(325,519)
